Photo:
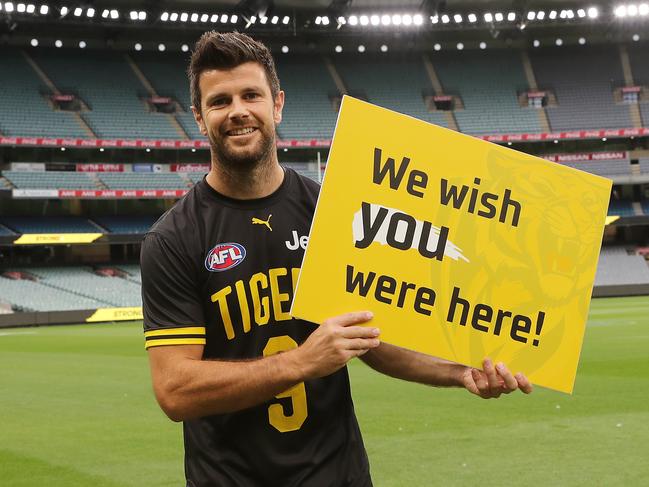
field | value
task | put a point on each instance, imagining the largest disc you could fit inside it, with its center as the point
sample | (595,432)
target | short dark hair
(227,50)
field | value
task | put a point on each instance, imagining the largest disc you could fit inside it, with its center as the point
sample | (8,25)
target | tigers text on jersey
(221,272)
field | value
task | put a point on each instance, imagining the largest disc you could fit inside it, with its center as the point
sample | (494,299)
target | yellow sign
(116,314)
(56,238)
(462,249)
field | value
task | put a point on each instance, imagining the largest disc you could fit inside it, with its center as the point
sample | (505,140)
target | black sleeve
(171,305)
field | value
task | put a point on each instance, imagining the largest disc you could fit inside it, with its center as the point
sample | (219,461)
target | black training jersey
(221,272)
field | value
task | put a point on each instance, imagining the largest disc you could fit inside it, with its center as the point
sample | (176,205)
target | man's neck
(256,183)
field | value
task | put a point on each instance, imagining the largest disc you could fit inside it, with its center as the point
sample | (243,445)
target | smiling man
(264,398)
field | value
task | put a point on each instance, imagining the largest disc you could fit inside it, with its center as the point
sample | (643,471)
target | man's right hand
(335,343)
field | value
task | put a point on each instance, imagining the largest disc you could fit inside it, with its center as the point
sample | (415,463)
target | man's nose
(238,108)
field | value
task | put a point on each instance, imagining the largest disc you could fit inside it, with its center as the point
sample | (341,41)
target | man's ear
(278,107)
(199,121)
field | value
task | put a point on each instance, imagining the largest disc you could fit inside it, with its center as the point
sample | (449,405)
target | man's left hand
(494,380)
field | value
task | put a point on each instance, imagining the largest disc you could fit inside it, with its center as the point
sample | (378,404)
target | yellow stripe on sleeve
(174,341)
(197,330)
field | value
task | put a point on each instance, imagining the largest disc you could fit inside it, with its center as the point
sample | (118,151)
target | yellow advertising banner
(116,314)
(56,238)
(461,248)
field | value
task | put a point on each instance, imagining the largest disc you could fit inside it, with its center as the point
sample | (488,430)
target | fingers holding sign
(494,380)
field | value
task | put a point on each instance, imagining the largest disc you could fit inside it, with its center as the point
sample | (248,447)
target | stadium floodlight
(473,18)
(559,42)
(318,20)
(58,43)
(214,18)
(338,48)
(552,15)
(251,20)
(193,17)
(141,15)
(161,47)
(9,7)
(82,44)
(132,14)
(285,49)
(165,16)
(90,13)
(62,149)
(21,7)
(531,15)
(325,20)
(114,14)
(31,8)
(361,48)
(483,45)
(540,15)
(406,19)
(44,10)
(418,19)
(274,20)
(104,14)
(384,48)
(364,20)
(205,18)
(499,17)
(536,43)
(34,42)
(396,19)
(445,19)
(632,10)
(570,14)
(77,12)
(286,20)
(488,17)
(457,18)
(604,139)
(353,20)
(635,38)
(460,46)
(643,9)
(234,19)
(137,46)
(620,11)
(263,19)
(434,19)
(511,16)
(582,41)
(184,16)
(224,18)
(184,48)
(173,17)
(581,13)
(386,19)
(593,13)
(101,149)
(437,47)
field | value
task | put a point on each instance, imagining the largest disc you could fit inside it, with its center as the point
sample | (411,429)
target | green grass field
(76,409)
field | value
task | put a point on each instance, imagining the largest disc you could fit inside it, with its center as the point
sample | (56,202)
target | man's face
(238,115)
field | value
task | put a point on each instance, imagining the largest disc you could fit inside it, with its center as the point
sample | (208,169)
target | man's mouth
(241,131)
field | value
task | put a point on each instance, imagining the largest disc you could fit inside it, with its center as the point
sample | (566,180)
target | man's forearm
(414,366)
(203,387)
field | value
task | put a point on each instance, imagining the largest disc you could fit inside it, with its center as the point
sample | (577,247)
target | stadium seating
(645,207)
(488,83)
(105,81)
(638,58)
(397,84)
(614,167)
(616,266)
(24,110)
(4,231)
(133,272)
(126,224)
(50,180)
(143,181)
(583,80)
(644,165)
(620,208)
(50,224)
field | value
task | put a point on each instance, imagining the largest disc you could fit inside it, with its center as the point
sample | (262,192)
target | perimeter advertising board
(461,248)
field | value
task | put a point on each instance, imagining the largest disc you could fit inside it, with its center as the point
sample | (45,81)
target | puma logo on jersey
(257,221)
(297,241)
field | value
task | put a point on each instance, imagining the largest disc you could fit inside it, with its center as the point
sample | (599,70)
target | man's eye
(219,101)
(251,96)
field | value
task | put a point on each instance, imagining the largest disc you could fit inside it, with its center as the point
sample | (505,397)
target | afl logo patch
(225,256)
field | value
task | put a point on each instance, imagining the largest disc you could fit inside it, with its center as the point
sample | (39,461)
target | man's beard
(245,160)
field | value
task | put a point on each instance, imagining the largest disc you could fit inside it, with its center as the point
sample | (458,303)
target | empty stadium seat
(50,224)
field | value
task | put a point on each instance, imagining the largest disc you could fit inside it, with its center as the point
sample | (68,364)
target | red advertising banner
(304,143)
(100,167)
(202,168)
(121,193)
(594,156)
